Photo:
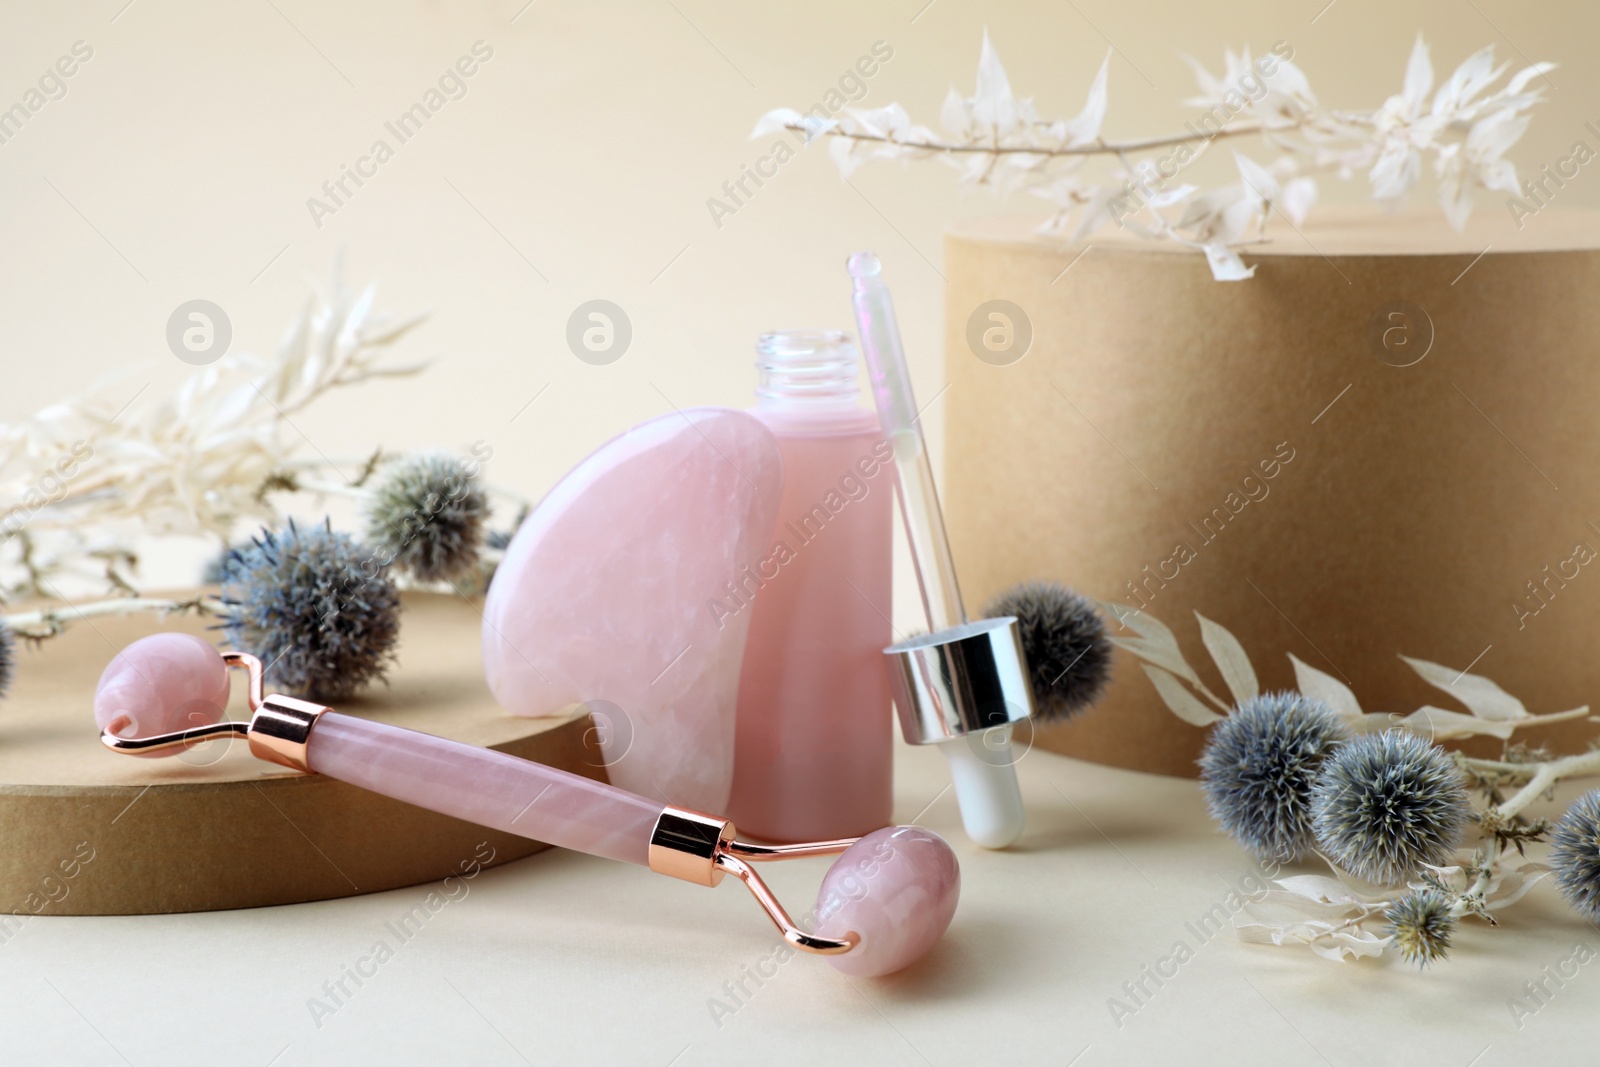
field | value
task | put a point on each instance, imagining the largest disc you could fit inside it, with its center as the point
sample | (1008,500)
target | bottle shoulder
(837,422)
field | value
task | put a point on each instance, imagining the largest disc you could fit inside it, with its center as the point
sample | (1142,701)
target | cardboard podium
(1384,443)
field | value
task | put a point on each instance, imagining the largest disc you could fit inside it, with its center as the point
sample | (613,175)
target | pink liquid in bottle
(813,753)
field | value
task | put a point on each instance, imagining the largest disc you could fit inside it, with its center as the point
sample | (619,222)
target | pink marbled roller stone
(607,593)
(159,684)
(896,887)
(485,787)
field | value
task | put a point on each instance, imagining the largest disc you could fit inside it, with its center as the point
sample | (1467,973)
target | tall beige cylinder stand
(1384,443)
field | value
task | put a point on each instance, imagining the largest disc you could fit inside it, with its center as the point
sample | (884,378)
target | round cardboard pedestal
(1384,443)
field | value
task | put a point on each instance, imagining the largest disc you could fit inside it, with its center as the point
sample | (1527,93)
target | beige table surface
(561,958)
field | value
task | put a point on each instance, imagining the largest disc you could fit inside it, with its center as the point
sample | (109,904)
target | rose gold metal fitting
(701,848)
(278,729)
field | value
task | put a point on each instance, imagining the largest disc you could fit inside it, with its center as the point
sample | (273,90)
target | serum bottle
(813,749)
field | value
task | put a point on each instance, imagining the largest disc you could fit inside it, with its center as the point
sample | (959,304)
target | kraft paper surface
(1383,444)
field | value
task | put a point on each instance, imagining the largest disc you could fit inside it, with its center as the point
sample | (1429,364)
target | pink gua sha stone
(615,592)
(160,684)
(896,887)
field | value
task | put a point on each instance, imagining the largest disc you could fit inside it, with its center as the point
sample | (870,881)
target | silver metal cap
(960,681)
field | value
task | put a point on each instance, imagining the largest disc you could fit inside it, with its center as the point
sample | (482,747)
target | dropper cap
(961,685)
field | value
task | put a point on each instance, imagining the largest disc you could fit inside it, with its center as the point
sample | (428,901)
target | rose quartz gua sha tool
(604,598)
(963,684)
(884,902)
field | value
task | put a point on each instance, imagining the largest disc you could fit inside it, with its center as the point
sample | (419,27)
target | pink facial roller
(884,902)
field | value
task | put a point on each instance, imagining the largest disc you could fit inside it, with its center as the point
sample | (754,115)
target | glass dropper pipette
(962,684)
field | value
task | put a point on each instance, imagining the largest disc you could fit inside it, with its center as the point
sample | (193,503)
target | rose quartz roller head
(175,681)
(884,902)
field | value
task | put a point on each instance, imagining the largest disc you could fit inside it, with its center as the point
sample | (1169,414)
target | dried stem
(1099,148)
(287,479)
(49,622)
(326,488)
(1471,900)
(1540,778)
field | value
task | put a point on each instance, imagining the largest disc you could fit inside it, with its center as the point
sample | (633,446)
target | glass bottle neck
(807,370)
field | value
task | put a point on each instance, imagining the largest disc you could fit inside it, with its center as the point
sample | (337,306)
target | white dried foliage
(1184,704)
(1231,660)
(1322,913)
(1460,130)
(1339,920)
(1490,710)
(1320,685)
(197,462)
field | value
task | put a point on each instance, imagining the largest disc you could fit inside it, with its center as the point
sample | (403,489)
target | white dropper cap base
(986,786)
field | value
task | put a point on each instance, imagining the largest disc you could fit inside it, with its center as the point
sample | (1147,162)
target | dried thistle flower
(427,516)
(318,611)
(8,658)
(1421,923)
(1384,804)
(1575,855)
(1258,768)
(215,570)
(1064,639)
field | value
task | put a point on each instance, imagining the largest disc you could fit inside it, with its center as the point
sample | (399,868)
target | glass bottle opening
(814,366)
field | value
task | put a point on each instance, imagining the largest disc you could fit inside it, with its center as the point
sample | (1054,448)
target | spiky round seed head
(1575,855)
(1258,768)
(1064,640)
(8,657)
(317,610)
(1421,925)
(426,516)
(1384,804)
(215,571)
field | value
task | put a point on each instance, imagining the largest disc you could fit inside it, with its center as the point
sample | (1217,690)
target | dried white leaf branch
(1491,711)
(998,140)
(1330,915)
(82,478)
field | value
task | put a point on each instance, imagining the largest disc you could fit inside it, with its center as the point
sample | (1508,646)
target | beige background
(578,166)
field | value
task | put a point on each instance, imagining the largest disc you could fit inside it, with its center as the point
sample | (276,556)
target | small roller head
(161,684)
(896,887)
